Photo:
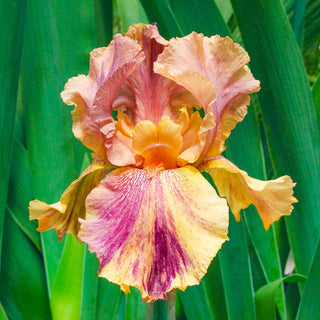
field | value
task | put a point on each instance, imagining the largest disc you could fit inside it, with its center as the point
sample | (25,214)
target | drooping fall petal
(273,199)
(63,216)
(151,232)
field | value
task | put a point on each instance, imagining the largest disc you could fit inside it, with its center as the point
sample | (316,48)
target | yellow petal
(154,231)
(273,199)
(63,216)
(158,145)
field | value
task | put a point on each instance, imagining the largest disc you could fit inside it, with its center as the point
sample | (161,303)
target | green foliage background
(43,43)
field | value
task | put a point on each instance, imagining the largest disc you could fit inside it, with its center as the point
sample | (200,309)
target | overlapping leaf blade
(288,114)
(12,18)
(57,48)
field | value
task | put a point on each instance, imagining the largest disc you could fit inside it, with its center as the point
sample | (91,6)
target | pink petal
(154,230)
(151,94)
(93,95)
(214,70)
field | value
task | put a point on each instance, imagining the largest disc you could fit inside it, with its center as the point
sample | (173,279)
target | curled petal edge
(63,216)
(150,231)
(273,199)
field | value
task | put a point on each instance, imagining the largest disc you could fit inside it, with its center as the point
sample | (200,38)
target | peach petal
(183,61)
(273,199)
(214,70)
(63,215)
(158,145)
(78,92)
(151,94)
(149,231)
(93,95)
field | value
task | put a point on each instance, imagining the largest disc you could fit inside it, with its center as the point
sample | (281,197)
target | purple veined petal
(154,230)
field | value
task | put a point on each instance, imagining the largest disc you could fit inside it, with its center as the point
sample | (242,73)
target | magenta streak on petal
(117,208)
(169,257)
(188,207)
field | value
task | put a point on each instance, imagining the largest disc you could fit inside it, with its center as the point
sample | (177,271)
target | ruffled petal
(195,132)
(63,215)
(151,94)
(214,70)
(79,91)
(154,230)
(184,62)
(273,199)
(93,95)
(159,146)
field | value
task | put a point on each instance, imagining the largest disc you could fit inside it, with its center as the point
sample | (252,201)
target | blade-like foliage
(12,18)
(39,157)
(288,114)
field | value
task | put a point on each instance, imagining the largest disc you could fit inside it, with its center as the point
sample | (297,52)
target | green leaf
(215,290)
(103,19)
(195,302)
(90,287)
(47,119)
(200,16)
(23,291)
(135,307)
(312,26)
(3,315)
(236,276)
(309,307)
(12,18)
(293,300)
(265,296)
(78,18)
(131,12)
(110,300)
(20,193)
(67,288)
(245,150)
(316,98)
(298,19)
(288,111)
(225,8)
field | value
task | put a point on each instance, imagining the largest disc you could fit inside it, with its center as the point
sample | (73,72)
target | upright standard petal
(273,199)
(149,231)
(93,95)
(63,216)
(151,94)
(214,70)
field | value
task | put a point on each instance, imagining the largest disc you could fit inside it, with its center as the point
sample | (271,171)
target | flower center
(158,145)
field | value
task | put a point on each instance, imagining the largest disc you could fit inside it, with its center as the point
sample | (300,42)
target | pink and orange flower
(155,222)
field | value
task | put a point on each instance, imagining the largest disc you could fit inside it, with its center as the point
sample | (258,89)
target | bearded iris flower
(154,222)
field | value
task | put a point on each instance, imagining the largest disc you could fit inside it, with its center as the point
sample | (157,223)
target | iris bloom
(155,222)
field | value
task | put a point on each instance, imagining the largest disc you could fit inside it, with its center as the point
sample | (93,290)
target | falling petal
(273,199)
(150,231)
(63,216)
